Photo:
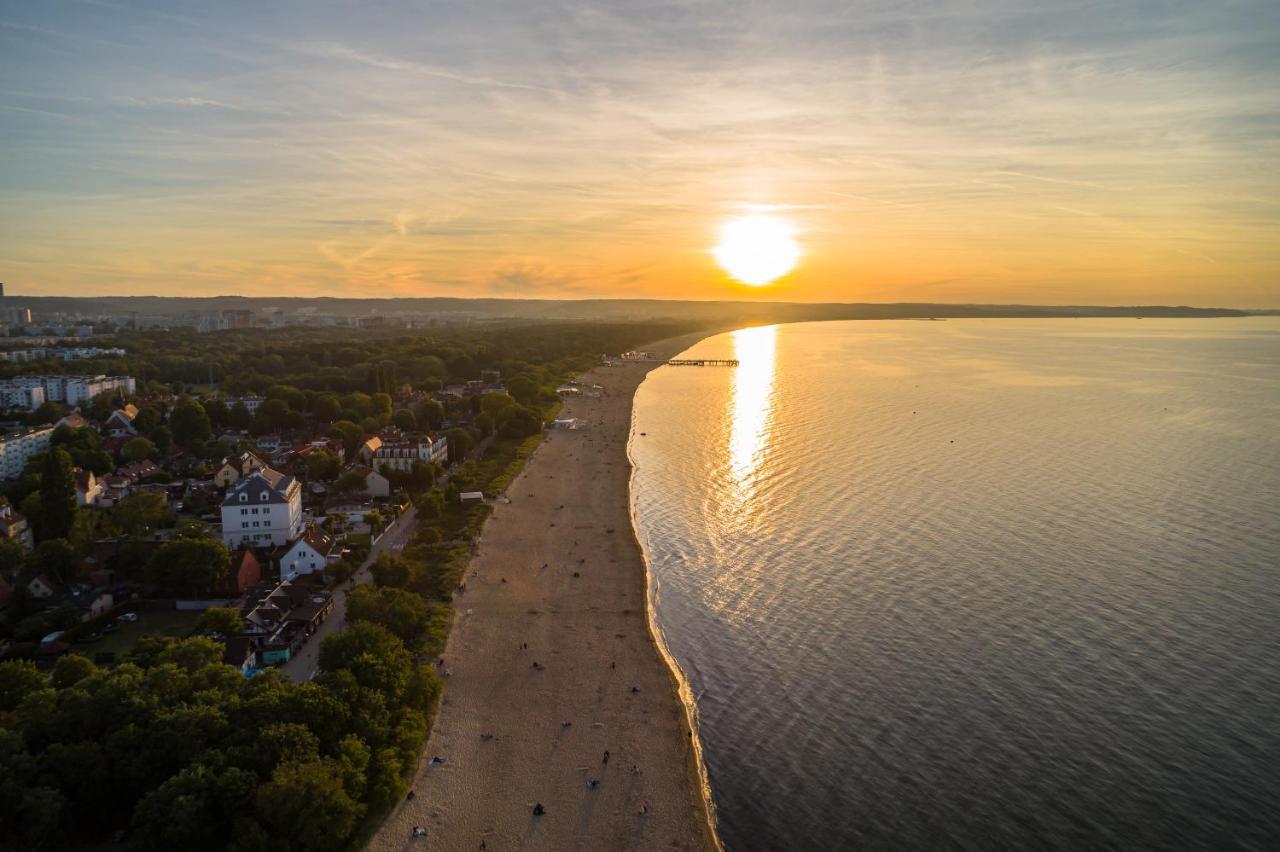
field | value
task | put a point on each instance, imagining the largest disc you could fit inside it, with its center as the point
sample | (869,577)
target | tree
(55,557)
(189,422)
(429,413)
(139,448)
(18,679)
(162,437)
(323,466)
(194,810)
(238,415)
(218,412)
(189,567)
(521,424)
(142,512)
(524,389)
(460,443)
(404,420)
(404,613)
(391,571)
(372,654)
(350,482)
(306,806)
(12,555)
(349,433)
(85,448)
(223,620)
(494,404)
(57,495)
(70,670)
(325,407)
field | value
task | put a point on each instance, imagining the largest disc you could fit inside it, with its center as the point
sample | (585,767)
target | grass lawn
(168,622)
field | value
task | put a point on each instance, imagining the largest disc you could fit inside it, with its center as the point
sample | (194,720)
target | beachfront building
(401,455)
(17,448)
(264,509)
(315,551)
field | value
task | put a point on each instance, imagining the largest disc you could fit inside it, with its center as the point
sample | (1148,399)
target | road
(302,667)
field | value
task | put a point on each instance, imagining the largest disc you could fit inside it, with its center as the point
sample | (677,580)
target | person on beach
(538,809)
(606,756)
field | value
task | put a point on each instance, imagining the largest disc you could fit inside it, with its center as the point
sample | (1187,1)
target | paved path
(302,667)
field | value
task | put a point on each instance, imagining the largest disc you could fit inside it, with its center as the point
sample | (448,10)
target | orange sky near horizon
(1020,153)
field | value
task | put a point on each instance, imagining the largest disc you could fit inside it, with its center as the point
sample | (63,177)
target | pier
(702,362)
(650,358)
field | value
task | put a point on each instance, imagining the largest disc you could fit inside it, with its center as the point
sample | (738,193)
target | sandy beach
(551,666)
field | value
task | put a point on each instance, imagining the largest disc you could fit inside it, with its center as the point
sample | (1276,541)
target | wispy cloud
(996,151)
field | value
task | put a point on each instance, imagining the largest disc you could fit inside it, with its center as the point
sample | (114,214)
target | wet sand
(559,570)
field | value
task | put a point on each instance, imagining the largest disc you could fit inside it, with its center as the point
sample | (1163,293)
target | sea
(975,584)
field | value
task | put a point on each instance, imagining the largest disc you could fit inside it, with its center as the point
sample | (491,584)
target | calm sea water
(981,584)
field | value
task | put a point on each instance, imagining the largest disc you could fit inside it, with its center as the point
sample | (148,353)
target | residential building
(74,420)
(245,571)
(14,315)
(250,402)
(367,450)
(240,653)
(232,470)
(42,587)
(375,484)
(237,318)
(226,475)
(313,552)
(76,390)
(120,423)
(401,455)
(14,527)
(138,471)
(264,509)
(21,397)
(88,489)
(17,448)
(281,617)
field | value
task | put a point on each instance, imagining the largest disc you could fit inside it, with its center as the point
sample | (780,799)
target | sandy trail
(559,570)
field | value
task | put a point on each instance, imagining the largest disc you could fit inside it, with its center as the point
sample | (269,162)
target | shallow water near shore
(977,583)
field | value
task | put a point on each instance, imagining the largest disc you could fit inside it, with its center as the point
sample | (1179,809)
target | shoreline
(555,657)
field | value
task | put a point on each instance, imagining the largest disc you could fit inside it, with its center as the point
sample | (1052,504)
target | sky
(1030,152)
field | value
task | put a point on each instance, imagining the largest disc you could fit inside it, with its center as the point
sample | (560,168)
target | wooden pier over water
(649,358)
(701,362)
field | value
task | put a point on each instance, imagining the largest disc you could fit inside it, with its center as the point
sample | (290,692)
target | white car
(129,617)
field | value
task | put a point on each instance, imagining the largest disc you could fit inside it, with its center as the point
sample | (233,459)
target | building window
(244,498)
(244,525)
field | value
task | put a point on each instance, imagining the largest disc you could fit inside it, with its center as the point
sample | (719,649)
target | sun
(757,248)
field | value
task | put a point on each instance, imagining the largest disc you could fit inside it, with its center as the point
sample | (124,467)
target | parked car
(130,617)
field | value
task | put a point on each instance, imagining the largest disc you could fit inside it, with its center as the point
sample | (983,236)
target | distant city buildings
(62,353)
(73,390)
